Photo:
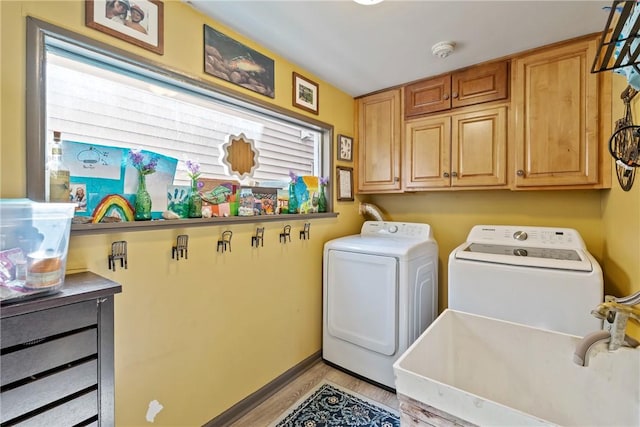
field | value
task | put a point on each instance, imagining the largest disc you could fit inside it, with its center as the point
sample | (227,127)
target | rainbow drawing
(113,205)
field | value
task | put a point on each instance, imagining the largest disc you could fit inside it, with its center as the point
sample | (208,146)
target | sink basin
(492,372)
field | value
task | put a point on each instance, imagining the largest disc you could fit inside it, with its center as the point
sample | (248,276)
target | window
(98,95)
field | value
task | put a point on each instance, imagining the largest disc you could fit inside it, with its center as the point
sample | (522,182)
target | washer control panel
(526,236)
(396,229)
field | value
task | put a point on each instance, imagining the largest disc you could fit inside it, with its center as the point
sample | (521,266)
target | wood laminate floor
(272,408)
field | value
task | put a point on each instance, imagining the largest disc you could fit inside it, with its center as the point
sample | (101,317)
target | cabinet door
(379,121)
(556,117)
(479,148)
(427,96)
(481,83)
(426,154)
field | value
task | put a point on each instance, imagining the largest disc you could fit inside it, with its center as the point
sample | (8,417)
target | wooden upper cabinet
(379,133)
(467,150)
(474,85)
(555,99)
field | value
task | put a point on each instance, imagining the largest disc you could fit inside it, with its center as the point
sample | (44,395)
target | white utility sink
(492,372)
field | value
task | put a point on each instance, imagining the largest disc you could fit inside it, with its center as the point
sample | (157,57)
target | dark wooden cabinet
(57,356)
(474,85)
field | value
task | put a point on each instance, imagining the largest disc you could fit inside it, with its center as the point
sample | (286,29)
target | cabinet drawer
(427,96)
(49,354)
(482,83)
(69,413)
(41,324)
(46,390)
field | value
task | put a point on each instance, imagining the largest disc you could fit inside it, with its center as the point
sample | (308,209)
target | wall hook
(225,241)
(285,233)
(304,233)
(118,251)
(258,238)
(180,250)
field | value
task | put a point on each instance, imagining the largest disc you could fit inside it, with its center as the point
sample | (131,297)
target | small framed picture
(140,23)
(344,179)
(305,94)
(345,148)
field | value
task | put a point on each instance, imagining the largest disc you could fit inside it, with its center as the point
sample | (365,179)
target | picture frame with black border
(345,148)
(344,180)
(144,28)
(306,94)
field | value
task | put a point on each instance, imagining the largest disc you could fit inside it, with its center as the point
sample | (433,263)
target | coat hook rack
(304,233)
(225,241)
(258,238)
(286,233)
(118,251)
(180,250)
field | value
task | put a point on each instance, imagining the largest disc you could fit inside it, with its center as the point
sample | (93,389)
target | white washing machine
(380,292)
(538,276)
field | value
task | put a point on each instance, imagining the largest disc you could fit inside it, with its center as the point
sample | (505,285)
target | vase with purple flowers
(142,204)
(195,200)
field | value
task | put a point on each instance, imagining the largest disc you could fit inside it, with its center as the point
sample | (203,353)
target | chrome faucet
(615,313)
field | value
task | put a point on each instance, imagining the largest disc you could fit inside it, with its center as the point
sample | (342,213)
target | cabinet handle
(520,172)
(454,174)
(446,174)
(396,179)
(445,96)
(455,94)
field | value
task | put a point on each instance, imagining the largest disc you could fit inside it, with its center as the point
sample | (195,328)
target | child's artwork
(307,192)
(264,200)
(98,171)
(178,199)
(247,202)
(282,201)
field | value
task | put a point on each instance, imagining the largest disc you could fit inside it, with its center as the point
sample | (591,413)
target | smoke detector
(443,49)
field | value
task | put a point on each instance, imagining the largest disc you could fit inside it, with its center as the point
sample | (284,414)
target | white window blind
(104,104)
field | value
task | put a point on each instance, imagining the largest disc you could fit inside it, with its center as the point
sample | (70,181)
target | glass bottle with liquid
(58,187)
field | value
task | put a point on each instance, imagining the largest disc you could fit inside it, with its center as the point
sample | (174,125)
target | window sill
(120,227)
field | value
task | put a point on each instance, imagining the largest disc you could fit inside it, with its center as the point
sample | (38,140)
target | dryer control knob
(393,229)
(520,235)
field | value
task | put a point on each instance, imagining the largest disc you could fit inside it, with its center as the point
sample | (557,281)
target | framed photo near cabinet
(345,148)
(140,23)
(344,179)
(305,94)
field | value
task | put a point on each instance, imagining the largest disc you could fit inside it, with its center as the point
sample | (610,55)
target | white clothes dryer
(537,276)
(380,292)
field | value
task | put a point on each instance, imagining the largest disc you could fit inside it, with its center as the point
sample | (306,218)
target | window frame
(36,131)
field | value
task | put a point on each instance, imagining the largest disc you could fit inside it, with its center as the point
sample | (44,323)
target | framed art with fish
(140,22)
(234,62)
(305,94)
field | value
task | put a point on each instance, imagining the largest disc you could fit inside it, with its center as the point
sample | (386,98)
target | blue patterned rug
(333,406)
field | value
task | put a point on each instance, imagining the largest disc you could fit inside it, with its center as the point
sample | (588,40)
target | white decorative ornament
(368,2)
(443,49)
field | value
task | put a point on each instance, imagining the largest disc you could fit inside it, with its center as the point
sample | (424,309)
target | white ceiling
(361,49)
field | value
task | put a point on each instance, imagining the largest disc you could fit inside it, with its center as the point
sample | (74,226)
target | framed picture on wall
(345,148)
(305,94)
(230,60)
(344,179)
(140,23)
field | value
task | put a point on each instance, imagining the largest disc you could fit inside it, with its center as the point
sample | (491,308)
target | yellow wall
(621,222)
(200,334)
